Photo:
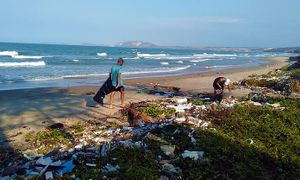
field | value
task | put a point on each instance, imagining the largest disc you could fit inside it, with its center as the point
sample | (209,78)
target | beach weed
(158,111)
(196,102)
(261,82)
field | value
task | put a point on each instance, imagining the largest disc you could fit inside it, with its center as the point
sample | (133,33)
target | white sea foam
(75,60)
(205,55)
(180,62)
(131,58)
(8,53)
(199,60)
(164,63)
(79,76)
(160,70)
(27,57)
(22,64)
(103,54)
(15,55)
(181,57)
(75,76)
(141,55)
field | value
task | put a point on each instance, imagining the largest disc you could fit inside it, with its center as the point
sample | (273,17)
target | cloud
(215,19)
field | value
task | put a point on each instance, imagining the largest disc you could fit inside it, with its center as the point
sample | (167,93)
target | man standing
(219,84)
(112,84)
(117,82)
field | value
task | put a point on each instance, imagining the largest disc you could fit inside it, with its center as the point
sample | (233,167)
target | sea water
(44,65)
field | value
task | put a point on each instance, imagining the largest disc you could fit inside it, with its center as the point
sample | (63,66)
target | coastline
(34,109)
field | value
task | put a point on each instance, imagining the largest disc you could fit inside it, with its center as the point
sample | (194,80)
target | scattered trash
(168,149)
(155,138)
(193,140)
(141,123)
(91,165)
(49,175)
(195,155)
(104,149)
(100,141)
(30,154)
(170,169)
(108,168)
(256,104)
(249,141)
(132,144)
(67,167)
(181,101)
(44,161)
(181,108)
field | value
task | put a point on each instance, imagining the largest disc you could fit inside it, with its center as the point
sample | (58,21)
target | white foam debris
(195,155)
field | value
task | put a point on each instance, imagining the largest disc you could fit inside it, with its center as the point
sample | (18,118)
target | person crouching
(219,85)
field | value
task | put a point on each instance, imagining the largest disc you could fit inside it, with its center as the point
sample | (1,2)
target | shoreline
(206,78)
(96,81)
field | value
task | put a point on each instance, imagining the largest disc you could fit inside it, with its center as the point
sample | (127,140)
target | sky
(198,23)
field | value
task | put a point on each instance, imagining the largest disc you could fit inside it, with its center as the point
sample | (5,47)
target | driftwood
(134,115)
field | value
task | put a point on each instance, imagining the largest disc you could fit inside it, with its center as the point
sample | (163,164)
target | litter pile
(61,149)
(280,82)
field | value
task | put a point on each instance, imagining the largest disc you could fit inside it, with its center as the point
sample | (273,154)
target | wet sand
(30,110)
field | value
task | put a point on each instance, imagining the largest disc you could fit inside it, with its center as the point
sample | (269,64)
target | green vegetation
(48,140)
(229,151)
(273,154)
(261,82)
(77,128)
(196,102)
(158,111)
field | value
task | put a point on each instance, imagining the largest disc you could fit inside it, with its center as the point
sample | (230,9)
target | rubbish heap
(85,146)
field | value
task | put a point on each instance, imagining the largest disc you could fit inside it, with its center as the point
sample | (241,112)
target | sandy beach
(24,111)
(202,82)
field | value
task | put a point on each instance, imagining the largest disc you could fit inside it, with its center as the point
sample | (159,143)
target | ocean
(43,65)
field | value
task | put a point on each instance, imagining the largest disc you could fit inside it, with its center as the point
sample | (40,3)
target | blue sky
(234,23)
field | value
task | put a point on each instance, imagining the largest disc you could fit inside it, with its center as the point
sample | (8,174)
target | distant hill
(284,50)
(136,44)
(142,44)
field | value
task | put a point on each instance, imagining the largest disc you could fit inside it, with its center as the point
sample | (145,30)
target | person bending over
(219,85)
(117,82)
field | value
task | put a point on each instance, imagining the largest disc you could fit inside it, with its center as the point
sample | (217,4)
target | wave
(76,76)
(180,57)
(141,55)
(180,62)
(199,60)
(130,58)
(164,63)
(205,55)
(27,57)
(160,70)
(22,64)
(8,53)
(15,55)
(104,54)
(75,60)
